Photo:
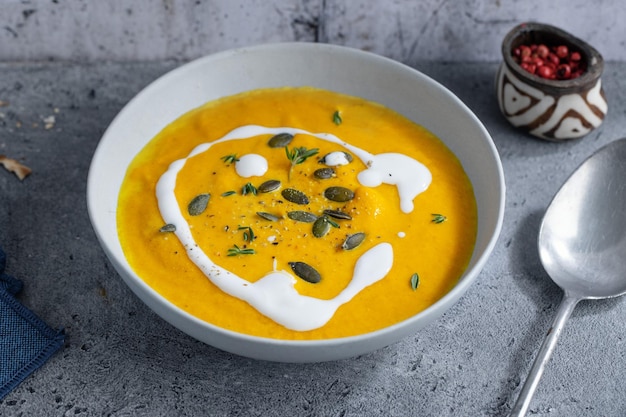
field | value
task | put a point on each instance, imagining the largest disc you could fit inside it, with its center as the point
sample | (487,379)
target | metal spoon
(582,245)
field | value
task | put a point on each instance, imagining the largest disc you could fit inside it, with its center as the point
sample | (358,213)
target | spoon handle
(565,310)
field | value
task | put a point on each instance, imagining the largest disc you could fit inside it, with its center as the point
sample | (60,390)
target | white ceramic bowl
(341,69)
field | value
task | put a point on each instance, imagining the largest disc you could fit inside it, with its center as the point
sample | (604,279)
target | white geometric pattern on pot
(569,116)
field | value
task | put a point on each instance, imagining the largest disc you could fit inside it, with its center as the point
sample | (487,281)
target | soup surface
(297,213)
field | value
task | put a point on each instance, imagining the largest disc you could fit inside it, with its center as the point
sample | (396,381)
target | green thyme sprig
(438,218)
(230,159)
(236,250)
(249,189)
(298,155)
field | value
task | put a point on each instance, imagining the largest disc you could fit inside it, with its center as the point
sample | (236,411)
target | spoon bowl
(582,242)
(582,245)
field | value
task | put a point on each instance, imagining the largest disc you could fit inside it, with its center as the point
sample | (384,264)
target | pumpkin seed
(321,226)
(302,216)
(280,140)
(168,228)
(306,272)
(268,216)
(337,214)
(198,204)
(352,241)
(324,173)
(339,194)
(269,186)
(326,159)
(332,222)
(295,196)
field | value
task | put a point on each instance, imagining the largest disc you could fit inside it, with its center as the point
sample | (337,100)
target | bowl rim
(402,328)
(593,58)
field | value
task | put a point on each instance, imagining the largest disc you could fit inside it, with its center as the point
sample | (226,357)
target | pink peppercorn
(543,51)
(554,58)
(555,62)
(563,72)
(546,71)
(562,51)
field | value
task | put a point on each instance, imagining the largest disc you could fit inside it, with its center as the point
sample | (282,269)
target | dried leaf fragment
(11,165)
(49,122)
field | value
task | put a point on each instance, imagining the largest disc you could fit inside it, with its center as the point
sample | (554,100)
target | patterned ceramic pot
(547,108)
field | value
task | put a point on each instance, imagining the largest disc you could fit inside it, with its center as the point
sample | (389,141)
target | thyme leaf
(248,234)
(268,216)
(415,281)
(228,193)
(337,118)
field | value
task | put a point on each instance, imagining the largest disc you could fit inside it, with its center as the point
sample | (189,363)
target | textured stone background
(122,360)
(406,30)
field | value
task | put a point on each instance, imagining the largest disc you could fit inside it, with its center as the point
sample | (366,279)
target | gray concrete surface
(120,359)
(406,30)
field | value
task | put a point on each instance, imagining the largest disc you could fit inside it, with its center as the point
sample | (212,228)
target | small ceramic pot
(550,109)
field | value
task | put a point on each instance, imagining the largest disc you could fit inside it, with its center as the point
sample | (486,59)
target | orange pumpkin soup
(297,213)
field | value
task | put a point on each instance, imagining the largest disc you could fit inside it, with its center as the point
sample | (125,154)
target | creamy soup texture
(297,213)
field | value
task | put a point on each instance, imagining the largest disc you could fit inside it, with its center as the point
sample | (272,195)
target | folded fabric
(26,342)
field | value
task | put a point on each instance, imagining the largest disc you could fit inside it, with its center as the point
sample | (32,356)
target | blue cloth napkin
(26,342)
